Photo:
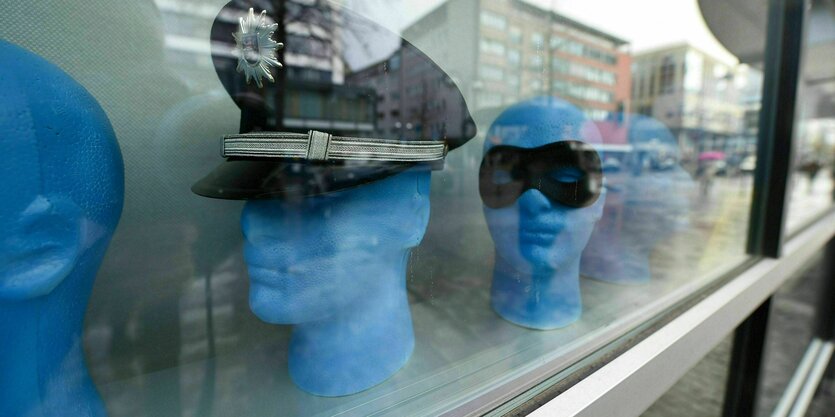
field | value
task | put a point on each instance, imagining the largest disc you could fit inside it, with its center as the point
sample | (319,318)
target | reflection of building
(313,93)
(501,51)
(415,98)
(185,50)
(705,102)
(749,82)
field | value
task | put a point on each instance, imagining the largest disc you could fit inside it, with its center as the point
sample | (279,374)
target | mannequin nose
(533,202)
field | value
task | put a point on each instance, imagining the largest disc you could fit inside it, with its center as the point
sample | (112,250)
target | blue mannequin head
(59,205)
(647,201)
(334,265)
(539,241)
(314,258)
(535,231)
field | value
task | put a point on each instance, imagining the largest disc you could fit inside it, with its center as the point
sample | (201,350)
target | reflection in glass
(647,199)
(812,184)
(169,329)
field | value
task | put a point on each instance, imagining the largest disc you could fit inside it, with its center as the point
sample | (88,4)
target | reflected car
(748,164)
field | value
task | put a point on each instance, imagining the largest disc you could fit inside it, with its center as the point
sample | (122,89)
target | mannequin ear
(41,249)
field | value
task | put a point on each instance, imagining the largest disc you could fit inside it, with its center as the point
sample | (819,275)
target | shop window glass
(441,214)
(693,71)
(812,182)
(515,34)
(537,40)
(491,72)
(493,20)
(535,62)
(667,74)
(492,46)
(514,57)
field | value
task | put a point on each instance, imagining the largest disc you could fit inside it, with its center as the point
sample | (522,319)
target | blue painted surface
(539,242)
(647,202)
(60,202)
(334,267)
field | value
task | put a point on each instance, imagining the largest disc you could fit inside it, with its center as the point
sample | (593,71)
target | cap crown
(337,72)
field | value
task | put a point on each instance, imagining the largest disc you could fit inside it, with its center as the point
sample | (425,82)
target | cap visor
(267,179)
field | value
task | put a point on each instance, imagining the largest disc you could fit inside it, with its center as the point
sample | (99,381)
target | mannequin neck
(539,297)
(19,323)
(363,343)
(42,357)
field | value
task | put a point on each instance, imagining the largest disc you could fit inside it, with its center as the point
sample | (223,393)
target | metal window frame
(783,55)
(799,393)
(745,367)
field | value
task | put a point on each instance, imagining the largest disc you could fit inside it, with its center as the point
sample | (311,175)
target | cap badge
(256,47)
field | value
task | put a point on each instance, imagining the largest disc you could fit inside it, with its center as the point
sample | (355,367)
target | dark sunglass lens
(500,182)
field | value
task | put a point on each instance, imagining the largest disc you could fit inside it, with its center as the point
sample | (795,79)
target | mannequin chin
(334,267)
(59,206)
(538,241)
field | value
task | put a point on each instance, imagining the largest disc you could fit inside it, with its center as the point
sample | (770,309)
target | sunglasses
(566,172)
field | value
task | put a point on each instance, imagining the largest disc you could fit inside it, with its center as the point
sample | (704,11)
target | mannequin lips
(542,229)
(269,273)
(270,276)
(265,268)
(263,256)
(537,236)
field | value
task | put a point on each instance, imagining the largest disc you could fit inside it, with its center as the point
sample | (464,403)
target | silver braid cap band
(321,146)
